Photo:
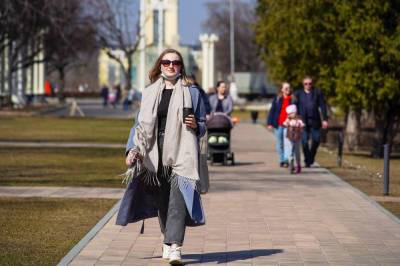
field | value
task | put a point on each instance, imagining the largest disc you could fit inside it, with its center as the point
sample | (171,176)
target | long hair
(280,94)
(155,71)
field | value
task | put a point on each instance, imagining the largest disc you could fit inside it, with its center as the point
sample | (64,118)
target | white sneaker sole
(175,262)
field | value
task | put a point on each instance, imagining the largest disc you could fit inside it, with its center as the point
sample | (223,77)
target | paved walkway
(258,214)
(61,192)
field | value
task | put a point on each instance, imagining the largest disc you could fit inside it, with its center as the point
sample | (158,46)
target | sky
(192,13)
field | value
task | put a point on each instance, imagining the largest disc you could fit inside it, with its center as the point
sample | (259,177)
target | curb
(67,259)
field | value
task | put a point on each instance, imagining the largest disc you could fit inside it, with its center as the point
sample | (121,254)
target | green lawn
(94,167)
(40,231)
(364,173)
(64,129)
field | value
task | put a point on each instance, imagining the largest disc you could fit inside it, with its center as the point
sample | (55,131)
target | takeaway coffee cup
(187,111)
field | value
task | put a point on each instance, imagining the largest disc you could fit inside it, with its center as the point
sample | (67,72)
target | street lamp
(232,39)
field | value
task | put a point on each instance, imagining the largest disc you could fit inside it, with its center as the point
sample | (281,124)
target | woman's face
(171,64)
(286,90)
(221,88)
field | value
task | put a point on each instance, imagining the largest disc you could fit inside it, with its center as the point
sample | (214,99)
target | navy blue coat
(318,103)
(138,202)
(275,110)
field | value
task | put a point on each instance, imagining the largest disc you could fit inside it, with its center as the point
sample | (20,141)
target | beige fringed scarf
(180,150)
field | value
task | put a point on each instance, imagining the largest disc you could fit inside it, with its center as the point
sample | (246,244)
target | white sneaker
(175,255)
(165,251)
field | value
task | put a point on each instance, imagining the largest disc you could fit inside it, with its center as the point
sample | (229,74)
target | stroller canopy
(219,120)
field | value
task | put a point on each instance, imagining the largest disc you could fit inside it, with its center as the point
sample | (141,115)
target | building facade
(159,21)
(20,84)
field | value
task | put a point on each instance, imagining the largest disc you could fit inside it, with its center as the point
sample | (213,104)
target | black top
(310,106)
(219,107)
(162,110)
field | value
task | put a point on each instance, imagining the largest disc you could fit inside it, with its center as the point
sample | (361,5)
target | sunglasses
(167,63)
(307,83)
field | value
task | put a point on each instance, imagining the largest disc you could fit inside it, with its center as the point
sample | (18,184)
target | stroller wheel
(233,158)
(225,162)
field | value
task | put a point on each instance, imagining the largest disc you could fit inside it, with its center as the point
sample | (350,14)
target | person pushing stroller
(294,126)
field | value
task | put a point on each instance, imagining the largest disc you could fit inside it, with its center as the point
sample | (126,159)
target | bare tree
(246,58)
(60,30)
(71,37)
(22,25)
(116,31)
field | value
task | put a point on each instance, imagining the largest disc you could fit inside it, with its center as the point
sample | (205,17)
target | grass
(91,167)
(64,129)
(40,231)
(365,173)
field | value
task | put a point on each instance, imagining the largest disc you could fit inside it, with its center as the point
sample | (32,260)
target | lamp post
(142,45)
(232,39)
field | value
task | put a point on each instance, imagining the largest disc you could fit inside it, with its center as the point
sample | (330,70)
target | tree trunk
(384,125)
(128,73)
(353,129)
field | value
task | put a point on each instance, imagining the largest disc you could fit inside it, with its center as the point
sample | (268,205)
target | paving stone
(259,214)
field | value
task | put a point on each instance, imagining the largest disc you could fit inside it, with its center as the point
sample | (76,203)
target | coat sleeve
(199,111)
(229,106)
(130,143)
(322,106)
(212,100)
(271,113)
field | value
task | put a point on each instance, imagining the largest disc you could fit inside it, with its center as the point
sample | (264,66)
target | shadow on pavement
(226,256)
(247,163)
(229,256)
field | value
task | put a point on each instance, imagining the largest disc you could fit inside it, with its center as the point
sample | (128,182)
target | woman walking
(162,153)
(277,115)
(221,102)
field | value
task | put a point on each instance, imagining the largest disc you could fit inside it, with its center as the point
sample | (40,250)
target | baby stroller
(219,139)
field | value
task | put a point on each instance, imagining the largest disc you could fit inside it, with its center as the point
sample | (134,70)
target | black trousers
(172,212)
(310,152)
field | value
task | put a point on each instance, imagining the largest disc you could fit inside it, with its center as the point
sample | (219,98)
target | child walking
(294,126)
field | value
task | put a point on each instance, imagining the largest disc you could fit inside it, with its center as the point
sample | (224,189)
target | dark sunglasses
(307,83)
(167,63)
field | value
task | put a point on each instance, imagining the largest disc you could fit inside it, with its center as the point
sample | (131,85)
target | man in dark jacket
(311,105)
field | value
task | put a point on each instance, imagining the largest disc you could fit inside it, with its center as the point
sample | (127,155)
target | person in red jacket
(277,115)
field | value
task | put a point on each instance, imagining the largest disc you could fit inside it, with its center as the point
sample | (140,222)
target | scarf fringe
(183,182)
(150,178)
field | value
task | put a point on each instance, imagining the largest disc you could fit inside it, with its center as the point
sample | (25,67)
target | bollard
(339,158)
(386,163)
(254,116)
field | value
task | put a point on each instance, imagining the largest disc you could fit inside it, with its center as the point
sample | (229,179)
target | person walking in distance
(310,106)
(294,126)
(277,115)
(221,102)
(163,155)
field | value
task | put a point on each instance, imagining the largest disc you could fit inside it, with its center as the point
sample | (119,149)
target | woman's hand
(190,121)
(132,156)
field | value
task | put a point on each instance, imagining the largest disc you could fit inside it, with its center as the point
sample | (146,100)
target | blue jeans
(283,146)
(310,152)
(295,152)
